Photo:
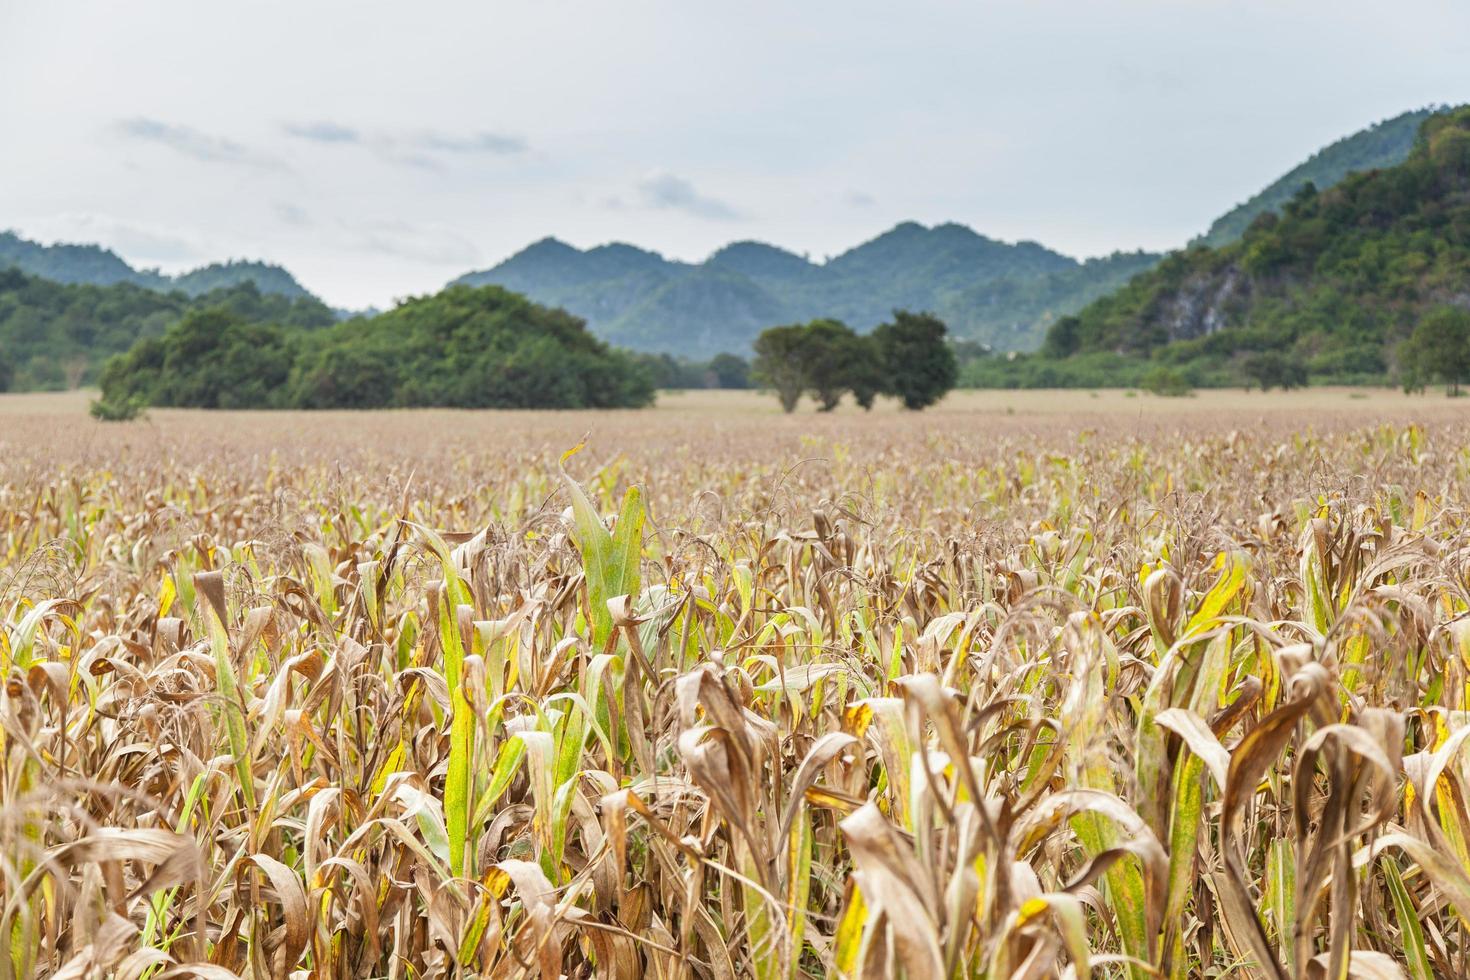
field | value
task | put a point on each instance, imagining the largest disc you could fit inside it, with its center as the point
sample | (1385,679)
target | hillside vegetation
(1002,294)
(55,335)
(1384,144)
(461,348)
(1333,285)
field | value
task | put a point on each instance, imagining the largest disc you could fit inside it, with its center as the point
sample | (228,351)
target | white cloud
(429,244)
(497,143)
(423,149)
(193,143)
(666,191)
(322,131)
(292,214)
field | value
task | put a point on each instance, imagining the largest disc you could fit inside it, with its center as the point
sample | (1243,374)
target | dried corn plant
(1175,704)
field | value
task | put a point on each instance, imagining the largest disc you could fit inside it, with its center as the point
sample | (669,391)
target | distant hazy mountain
(90,265)
(267,278)
(1005,294)
(93,265)
(1384,144)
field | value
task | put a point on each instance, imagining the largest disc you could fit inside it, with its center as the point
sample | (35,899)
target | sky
(378,150)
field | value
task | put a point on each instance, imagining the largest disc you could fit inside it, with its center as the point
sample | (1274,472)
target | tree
(779,362)
(1439,350)
(1166,382)
(866,375)
(1273,369)
(123,411)
(209,359)
(461,348)
(729,371)
(58,335)
(918,364)
(351,377)
(1063,337)
(831,355)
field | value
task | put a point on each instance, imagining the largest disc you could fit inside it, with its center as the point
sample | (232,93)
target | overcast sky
(380,149)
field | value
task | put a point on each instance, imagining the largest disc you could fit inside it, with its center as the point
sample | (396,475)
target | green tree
(344,377)
(1273,369)
(662,370)
(1063,337)
(831,354)
(865,377)
(780,362)
(1438,350)
(209,359)
(106,411)
(1166,382)
(729,371)
(919,366)
(461,348)
(58,335)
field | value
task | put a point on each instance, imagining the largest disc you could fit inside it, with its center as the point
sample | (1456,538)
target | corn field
(867,698)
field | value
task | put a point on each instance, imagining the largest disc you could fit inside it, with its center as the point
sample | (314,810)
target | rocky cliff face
(1205,303)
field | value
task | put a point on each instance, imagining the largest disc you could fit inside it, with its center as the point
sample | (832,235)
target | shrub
(1165,381)
(122,410)
(1273,369)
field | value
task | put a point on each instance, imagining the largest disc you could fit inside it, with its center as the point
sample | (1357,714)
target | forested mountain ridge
(1000,293)
(94,265)
(1383,144)
(1333,284)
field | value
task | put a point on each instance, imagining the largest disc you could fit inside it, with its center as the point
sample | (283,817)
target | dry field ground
(1044,684)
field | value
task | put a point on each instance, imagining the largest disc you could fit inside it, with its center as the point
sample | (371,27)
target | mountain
(1384,144)
(1007,310)
(1002,293)
(79,264)
(758,260)
(700,313)
(270,279)
(600,285)
(1332,284)
(94,265)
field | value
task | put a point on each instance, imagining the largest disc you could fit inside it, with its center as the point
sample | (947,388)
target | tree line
(908,358)
(490,348)
(55,335)
(460,348)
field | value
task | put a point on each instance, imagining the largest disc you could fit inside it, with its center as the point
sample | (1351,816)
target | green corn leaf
(226,683)
(609,561)
(1410,929)
(457,781)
